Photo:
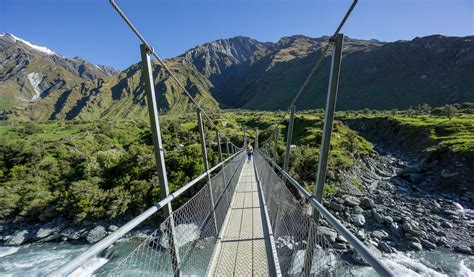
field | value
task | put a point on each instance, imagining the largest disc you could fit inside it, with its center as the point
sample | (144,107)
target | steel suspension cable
(317,63)
(162,63)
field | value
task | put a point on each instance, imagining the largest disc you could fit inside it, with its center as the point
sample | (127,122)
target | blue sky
(92,30)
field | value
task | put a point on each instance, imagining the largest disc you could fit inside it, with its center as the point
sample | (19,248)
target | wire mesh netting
(295,231)
(185,241)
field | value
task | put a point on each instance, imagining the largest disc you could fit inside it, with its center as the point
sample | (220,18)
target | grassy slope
(455,134)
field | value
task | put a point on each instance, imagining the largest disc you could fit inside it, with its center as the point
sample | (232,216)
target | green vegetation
(93,170)
(448,128)
(346,145)
(88,170)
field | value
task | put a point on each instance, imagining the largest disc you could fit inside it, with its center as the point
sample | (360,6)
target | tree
(449,110)
(423,108)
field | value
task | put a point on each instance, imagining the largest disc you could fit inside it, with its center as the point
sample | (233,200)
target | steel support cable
(318,61)
(153,52)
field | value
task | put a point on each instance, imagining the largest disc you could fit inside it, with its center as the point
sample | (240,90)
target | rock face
(39,78)
(96,234)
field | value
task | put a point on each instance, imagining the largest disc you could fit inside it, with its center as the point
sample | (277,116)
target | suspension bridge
(246,217)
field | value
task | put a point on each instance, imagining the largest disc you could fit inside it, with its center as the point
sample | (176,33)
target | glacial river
(39,259)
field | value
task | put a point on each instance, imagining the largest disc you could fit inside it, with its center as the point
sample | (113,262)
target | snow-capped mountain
(38,48)
(34,75)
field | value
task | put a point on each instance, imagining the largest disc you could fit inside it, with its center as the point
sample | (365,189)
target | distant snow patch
(35,79)
(38,48)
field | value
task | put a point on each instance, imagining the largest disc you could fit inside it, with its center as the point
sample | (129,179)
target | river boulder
(396,230)
(414,245)
(72,233)
(358,220)
(96,234)
(351,201)
(336,206)
(367,203)
(17,238)
(328,233)
(52,227)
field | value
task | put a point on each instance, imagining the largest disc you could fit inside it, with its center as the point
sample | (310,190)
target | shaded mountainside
(434,70)
(239,72)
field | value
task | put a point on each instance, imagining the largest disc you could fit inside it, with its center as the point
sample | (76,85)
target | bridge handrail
(98,247)
(368,256)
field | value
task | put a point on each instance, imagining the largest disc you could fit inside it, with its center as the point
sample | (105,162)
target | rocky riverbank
(394,213)
(441,150)
(60,230)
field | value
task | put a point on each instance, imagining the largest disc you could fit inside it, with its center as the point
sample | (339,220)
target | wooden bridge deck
(244,249)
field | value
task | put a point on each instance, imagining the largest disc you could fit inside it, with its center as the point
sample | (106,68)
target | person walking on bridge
(249,152)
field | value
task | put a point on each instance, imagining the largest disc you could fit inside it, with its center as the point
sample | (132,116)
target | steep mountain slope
(123,96)
(227,63)
(35,81)
(278,76)
(434,70)
(38,84)
(240,72)
(249,74)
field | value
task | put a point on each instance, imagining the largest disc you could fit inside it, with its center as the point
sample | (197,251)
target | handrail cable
(365,252)
(95,249)
(153,52)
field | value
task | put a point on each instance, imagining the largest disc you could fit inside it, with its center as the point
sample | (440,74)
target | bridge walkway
(244,248)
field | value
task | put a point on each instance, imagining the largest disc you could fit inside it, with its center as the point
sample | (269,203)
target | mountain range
(39,84)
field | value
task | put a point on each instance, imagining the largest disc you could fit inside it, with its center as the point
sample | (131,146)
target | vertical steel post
(158,146)
(256,138)
(219,147)
(275,146)
(288,139)
(202,138)
(308,255)
(245,137)
(328,120)
(227,146)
